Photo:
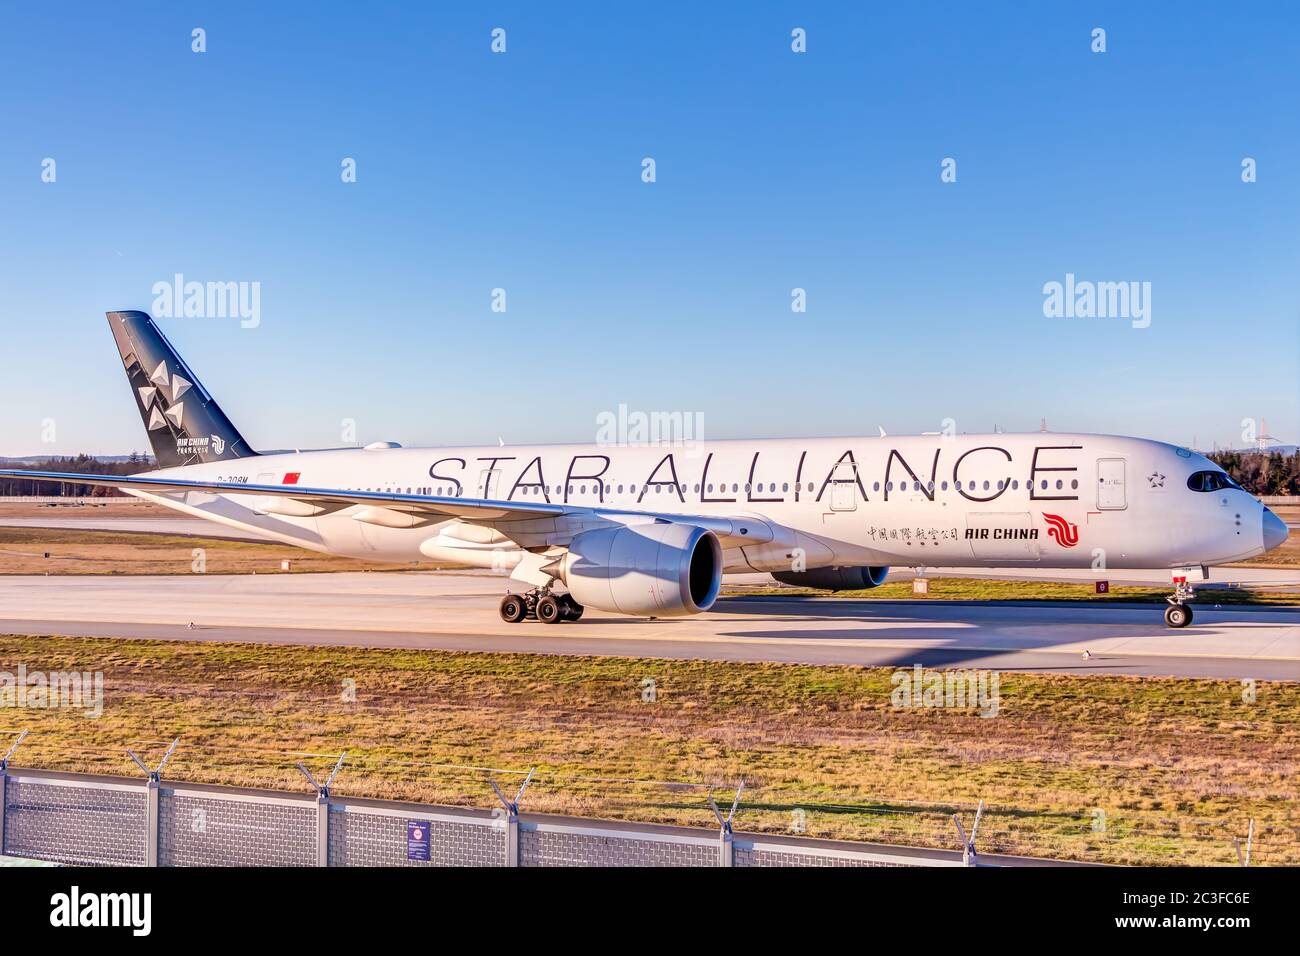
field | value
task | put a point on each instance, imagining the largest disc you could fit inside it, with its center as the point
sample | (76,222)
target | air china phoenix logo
(1065,533)
(218,444)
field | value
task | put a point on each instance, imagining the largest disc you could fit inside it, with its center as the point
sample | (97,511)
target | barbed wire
(1077,823)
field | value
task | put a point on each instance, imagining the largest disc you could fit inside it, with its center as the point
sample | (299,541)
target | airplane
(650,529)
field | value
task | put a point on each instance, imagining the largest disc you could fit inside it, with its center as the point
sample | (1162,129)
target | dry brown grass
(88,508)
(994,589)
(1177,767)
(67,551)
(1287,556)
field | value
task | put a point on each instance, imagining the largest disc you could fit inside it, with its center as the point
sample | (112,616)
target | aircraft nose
(1275,531)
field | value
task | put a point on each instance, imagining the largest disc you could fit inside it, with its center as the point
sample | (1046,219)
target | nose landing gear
(1179,611)
(540,604)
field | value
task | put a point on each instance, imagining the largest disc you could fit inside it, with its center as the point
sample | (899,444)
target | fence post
(726,849)
(1244,859)
(512,839)
(726,838)
(4,786)
(512,818)
(968,855)
(152,786)
(322,829)
(323,809)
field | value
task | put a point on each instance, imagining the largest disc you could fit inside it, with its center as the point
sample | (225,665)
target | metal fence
(91,820)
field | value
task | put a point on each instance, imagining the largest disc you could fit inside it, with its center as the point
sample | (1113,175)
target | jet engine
(834,579)
(663,569)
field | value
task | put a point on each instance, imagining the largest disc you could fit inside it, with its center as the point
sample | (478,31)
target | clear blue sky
(775,171)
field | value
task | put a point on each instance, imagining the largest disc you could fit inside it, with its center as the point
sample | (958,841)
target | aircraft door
(265,478)
(489,484)
(1111,493)
(844,481)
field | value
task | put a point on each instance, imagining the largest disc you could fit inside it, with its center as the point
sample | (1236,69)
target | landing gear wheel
(513,608)
(548,610)
(571,609)
(1178,615)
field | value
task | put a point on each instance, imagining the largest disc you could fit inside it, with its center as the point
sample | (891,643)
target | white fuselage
(1002,500)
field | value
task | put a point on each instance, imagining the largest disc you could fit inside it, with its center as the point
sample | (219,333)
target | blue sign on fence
(417,840)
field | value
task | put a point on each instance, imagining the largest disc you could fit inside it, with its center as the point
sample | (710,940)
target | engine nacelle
(834,579)
(662,569)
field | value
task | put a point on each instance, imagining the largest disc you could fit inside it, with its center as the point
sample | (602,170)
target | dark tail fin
(184,424)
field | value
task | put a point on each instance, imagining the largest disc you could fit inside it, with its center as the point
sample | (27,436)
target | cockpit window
(1211,481)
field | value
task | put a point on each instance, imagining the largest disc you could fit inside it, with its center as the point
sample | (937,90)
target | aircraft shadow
(1069,625)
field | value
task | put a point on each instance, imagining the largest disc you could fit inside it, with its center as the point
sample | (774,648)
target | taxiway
(458,611)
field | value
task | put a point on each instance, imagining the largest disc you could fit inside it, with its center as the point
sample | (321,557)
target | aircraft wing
(731,531)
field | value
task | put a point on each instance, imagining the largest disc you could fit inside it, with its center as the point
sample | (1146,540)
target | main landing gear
(540,605)
(1179,611)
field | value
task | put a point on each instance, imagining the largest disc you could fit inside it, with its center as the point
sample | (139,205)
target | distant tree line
(81,464)
(1262,472)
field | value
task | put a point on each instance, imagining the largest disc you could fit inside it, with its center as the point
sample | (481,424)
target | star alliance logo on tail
(1065,533)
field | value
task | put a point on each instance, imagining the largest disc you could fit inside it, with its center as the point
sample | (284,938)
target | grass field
(69,551)
(1287,556)
(1124,770)
(113,507)
(987,589)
